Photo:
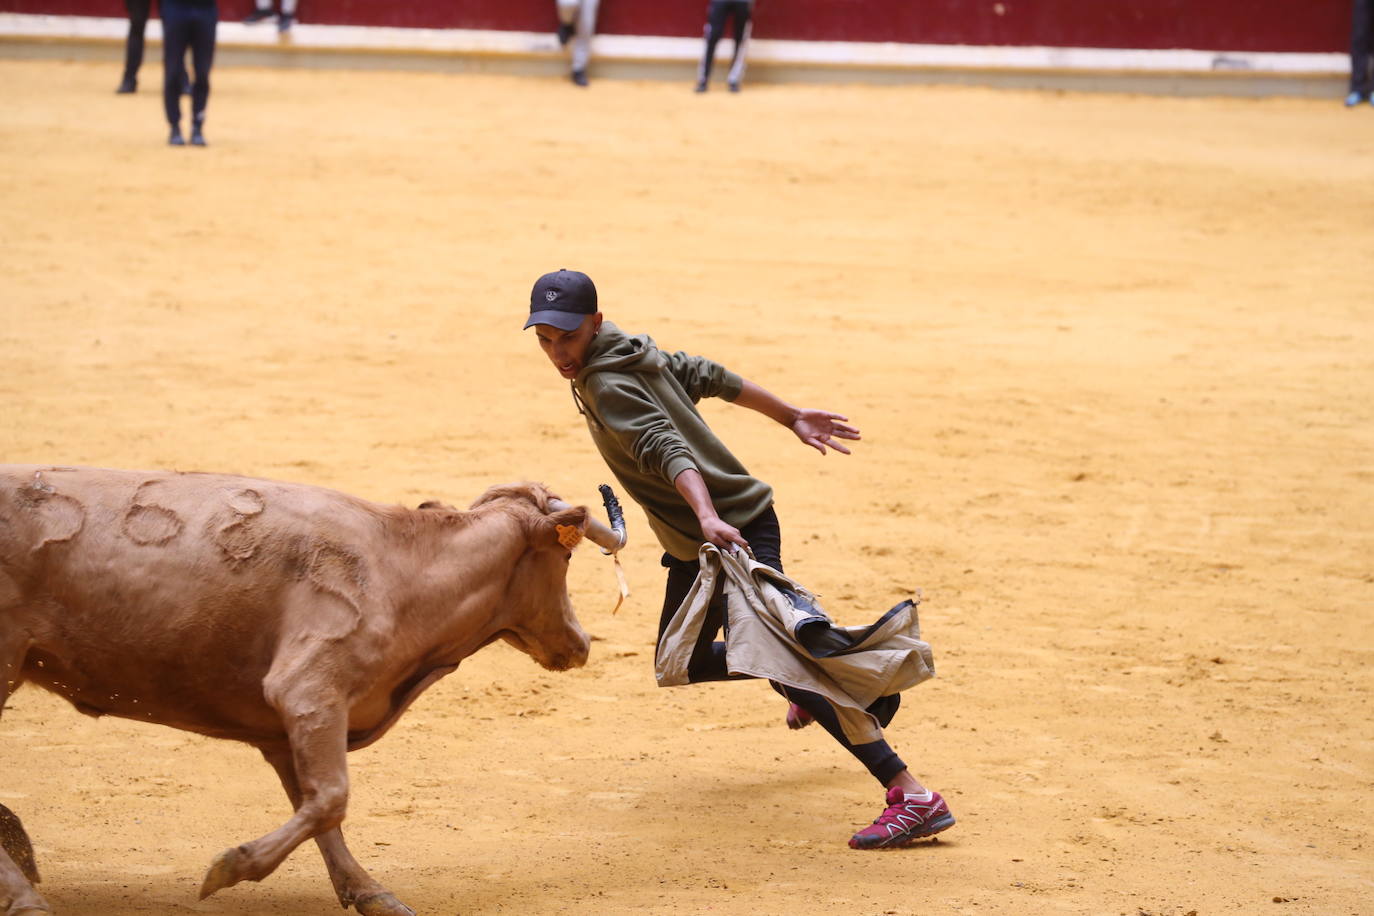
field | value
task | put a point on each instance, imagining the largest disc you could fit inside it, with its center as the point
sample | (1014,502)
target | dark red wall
(1220,25)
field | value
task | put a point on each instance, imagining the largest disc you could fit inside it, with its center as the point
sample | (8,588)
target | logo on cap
(551,294)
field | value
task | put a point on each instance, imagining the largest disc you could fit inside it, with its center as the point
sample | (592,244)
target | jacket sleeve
(643,430)
(703,378)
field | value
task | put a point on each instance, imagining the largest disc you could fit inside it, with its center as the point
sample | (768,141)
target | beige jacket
(790,639)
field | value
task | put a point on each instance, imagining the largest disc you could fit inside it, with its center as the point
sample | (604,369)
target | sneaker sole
(938,825)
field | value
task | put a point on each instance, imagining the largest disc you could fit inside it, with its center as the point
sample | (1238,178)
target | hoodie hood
(613,349)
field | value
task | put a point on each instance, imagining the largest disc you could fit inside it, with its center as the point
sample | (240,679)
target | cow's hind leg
(317,729)
(353,885)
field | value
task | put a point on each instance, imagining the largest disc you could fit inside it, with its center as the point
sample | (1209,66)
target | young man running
(640,407)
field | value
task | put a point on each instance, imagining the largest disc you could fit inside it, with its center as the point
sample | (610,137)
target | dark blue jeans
(708,656)
(186,23)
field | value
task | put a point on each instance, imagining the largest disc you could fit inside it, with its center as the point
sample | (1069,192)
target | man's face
(567,350)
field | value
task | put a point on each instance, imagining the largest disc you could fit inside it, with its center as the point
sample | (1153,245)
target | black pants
(186,24)
(716,14)
(708,656)
(133,45)
(1361,47)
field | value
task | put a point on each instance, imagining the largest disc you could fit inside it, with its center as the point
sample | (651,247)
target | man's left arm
(703,378)
(817,428)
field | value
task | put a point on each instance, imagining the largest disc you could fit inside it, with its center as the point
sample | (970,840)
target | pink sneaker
(905,819)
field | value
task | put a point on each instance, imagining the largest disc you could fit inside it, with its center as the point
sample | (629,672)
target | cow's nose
(578,656)
(566,662)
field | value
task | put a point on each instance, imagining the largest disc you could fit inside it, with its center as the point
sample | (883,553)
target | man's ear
(564,528)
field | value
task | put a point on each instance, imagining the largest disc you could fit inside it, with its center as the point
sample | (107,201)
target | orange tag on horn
(569,535)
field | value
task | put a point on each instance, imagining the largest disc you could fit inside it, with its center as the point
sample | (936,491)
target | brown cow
(296,619)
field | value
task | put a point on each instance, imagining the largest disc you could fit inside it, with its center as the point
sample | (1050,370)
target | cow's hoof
(224,872)
(15,841)
(383,904)
(28,903)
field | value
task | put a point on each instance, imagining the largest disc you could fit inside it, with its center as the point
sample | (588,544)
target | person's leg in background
(567,19)
(744,27)
(262,11)
(176,29)
(1361,52)
(582,41)
(205,24)
(133,44)
(287,17)
(716,11)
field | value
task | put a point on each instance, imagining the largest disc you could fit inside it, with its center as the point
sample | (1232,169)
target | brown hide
(168,597)
(237,608)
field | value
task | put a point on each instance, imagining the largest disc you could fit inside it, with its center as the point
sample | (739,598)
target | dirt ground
(1110,355)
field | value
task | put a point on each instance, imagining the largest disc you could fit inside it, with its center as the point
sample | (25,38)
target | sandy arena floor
(1111,357)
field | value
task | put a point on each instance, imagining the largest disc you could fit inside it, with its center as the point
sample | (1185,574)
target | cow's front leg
(17,869)
(352,884)
(18,873)
(317,729)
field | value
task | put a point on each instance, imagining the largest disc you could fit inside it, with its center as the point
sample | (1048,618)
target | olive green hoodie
(639,403)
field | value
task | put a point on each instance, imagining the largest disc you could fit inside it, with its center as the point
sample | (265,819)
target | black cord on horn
(613,512)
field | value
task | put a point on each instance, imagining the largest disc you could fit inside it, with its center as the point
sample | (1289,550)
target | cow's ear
(565,528)
(434,504)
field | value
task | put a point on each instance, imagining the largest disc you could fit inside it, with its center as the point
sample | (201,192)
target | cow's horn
(609,539)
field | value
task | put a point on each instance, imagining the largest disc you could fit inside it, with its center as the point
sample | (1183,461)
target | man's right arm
(648,436)
(690,484)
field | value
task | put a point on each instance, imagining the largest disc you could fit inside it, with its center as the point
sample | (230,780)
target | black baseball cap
(563,299)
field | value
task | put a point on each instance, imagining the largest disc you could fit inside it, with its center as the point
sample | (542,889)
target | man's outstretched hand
(820,429)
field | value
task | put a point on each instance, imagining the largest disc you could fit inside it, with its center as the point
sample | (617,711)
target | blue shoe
(1354,99)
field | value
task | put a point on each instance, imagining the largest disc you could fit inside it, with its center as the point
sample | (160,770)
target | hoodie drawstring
(581,406)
